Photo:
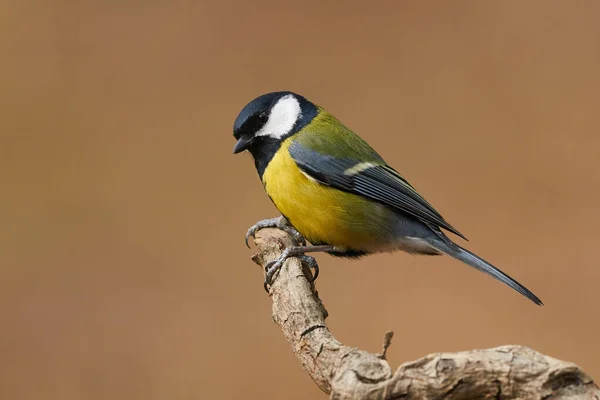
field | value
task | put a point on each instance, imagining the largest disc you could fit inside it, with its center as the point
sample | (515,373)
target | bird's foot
(273,266)
(280,223)
(311,263)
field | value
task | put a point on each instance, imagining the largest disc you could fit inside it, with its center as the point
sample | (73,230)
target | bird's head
(269,119)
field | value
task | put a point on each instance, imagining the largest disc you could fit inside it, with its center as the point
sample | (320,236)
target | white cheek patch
(282,118)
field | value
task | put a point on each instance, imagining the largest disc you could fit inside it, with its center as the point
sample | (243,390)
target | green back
(327,135)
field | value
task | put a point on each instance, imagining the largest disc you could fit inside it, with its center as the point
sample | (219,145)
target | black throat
(263,152)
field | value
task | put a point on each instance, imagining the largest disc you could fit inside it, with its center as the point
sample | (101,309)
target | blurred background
(123,272)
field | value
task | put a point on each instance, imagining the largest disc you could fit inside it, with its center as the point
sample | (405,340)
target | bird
(336,192)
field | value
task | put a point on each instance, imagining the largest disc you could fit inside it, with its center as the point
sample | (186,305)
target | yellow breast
(320,213)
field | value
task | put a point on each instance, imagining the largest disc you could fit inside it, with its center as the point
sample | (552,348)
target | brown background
(123,273)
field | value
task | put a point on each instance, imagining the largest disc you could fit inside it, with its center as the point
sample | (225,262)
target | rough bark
(343,372)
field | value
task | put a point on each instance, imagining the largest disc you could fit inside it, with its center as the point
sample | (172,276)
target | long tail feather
(477,262)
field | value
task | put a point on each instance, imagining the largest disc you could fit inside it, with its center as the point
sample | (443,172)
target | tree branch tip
(387,342)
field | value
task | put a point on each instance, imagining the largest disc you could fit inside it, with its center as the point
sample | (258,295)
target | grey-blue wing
(376,181)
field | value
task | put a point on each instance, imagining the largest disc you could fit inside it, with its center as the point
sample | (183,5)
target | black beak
(241,145)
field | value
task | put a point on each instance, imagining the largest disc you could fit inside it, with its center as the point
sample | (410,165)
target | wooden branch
(507,372)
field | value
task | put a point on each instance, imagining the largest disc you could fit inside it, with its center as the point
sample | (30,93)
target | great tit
(336,192)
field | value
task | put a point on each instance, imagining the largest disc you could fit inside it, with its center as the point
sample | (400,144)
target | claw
(265,223)
(280,223)
(248,234)
(297,235)
(273,266)
(312,264)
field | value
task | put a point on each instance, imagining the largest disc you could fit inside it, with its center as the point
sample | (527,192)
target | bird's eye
(263,117)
